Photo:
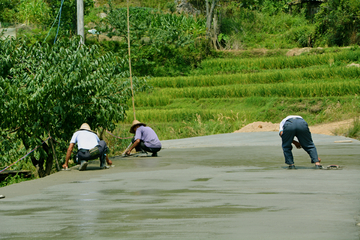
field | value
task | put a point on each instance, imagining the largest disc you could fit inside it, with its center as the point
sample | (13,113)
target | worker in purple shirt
(145,139)
(290,127)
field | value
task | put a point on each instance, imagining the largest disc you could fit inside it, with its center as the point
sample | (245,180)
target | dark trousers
(297,127)
(84,154)
(142,147)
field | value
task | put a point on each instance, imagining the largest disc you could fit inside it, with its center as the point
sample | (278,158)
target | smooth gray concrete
(227,186)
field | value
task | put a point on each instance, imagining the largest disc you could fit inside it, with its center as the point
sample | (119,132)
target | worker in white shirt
(290,127)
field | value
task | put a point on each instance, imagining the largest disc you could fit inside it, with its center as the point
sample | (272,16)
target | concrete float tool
(333,167)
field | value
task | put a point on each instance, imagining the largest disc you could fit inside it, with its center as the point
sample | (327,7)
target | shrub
(51,90)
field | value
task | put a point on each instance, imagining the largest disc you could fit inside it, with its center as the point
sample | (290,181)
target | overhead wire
(52,25)
(57,17)
(62,2)
(132,89)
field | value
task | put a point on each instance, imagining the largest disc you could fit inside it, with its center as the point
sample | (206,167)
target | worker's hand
(109,162)
(319,159)
(65,166)
(128,152)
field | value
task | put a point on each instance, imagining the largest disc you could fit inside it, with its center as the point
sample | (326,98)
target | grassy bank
(227,93)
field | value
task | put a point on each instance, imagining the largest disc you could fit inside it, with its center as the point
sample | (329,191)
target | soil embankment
(327,128)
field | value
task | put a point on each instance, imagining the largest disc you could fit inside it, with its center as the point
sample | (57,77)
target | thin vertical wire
(132,90)
(62,2)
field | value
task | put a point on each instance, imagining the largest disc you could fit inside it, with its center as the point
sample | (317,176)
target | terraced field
(223,95)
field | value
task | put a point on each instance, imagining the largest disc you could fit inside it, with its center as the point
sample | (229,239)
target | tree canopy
(338,22)
(51,90)
(159,41)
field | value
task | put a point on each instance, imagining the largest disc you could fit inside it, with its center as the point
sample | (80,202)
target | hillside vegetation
(188,82)
(225,94)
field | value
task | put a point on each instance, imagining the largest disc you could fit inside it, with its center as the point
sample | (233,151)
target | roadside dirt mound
(260,127)
(327,128)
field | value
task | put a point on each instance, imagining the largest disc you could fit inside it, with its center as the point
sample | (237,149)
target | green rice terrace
(194,72)
(225,94)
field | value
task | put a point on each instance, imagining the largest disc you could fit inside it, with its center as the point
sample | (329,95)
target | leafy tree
(33,11)
(338,23)
(51,90)
(162,44)
(7,10)
(68,12)
(274,7)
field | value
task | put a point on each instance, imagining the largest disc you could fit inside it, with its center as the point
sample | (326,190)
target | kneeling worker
(145,139)
(290,127)
(90,147)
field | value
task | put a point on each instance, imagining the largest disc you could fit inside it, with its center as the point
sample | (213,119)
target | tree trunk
(39,164)
(209,20)
(215,32)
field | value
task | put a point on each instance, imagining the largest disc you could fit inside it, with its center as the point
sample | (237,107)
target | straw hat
(134,124)
(85,126)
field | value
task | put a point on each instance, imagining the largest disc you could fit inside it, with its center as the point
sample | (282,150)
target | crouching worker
(145,139)
(290,127)
(89,148)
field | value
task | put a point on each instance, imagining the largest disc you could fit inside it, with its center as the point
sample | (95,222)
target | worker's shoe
(154,154)
(292,167)
(141,153)
(83,165)
(104,167)
(318,167)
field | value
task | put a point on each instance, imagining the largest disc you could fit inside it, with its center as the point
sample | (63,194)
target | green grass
(13,179)
(186,117)
(307,89)
(352,132)
(225,94)
(244,65)
(324,74)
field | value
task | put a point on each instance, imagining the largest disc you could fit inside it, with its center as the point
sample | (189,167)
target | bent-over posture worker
(145,139)
(90,147)
(290,127)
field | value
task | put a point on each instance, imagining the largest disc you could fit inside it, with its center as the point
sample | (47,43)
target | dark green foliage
(13,179)
(8,10)
(258,24)
(161,44)
(266,6)
(302,35)
(51,90)
(271,7)
(338,23)
(68,13)
(271,28)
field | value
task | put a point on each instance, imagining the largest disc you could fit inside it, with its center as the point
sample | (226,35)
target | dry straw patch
(297,51)
(327,128)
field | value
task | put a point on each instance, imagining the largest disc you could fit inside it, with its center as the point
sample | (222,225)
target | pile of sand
(327,128)
(260,127)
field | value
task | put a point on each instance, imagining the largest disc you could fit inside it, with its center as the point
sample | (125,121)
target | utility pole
(80,20)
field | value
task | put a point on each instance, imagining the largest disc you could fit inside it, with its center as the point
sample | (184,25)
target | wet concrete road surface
(227,186)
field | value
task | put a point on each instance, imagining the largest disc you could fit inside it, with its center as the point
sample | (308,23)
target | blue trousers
(84,154)
(297,127)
